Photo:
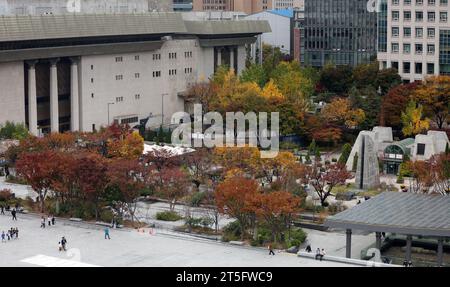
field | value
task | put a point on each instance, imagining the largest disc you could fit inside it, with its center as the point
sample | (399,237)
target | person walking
(308,248)
(3,237)
(63,243)
(13,213)
(17,233)
(42,222)
(107,233)
(49,220)
(271,250)
(6,172)
(2,210)
(53,220)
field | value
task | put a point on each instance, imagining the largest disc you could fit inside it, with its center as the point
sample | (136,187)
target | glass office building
(340,32)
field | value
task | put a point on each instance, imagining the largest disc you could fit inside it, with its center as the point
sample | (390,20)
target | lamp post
(109,104)
(162,108)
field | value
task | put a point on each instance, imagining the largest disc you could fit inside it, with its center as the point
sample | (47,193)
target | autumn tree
(412,119)
(235,197)
(276,210)
(394,101)
(434,96)
(324,178)
(198,164)
(39,170)
(126,180)
(341,113)
(440,172)
(128,146)
(91,174)
(175,184)
(421,177)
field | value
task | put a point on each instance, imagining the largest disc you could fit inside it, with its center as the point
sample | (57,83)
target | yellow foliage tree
(413,123)
(340,112)
(129,147)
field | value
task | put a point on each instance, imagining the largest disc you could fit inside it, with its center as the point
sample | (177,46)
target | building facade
(42,7)
(339,32)
(391,154)
(183,5)
(287,4)
(246,6)
(123,68)
(414,37)
(281,22)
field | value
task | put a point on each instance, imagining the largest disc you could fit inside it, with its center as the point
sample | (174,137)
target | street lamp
(162,108)
(109,104)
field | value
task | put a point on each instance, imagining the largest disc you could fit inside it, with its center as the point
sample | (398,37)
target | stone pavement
(86,245)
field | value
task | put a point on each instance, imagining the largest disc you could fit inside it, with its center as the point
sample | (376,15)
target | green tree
(255,73)
(16,131)
(346,150)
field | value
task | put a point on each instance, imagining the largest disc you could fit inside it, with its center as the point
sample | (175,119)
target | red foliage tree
(235,197)
(324,178)
(39,169)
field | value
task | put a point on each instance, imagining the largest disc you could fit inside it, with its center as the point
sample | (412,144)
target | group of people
(8,208)
(320,253)
(50,220)
(12,233)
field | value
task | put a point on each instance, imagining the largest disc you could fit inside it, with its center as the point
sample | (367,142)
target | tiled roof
(404,213)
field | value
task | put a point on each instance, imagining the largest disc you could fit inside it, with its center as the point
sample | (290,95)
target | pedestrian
(42,222)
(405,263)
(2,210)
(63,243)
(49,220)
(317,253)
(308,248)
(53,220)
(17,233)
(271,250)
(107,233)
(6,172)
(60,247)
(13,213)
(410,264)
(322,254)
(3,237)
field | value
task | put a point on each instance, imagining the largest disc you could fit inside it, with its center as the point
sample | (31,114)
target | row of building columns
(54,101)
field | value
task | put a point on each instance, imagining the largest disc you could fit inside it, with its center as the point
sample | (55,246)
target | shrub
(168,216)
(298,236)
(336,208)
(334,159)
(6,195)
(232,231)
(400,179)
(197,198)
(106,215)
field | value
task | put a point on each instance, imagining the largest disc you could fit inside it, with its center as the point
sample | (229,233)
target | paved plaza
(87,247)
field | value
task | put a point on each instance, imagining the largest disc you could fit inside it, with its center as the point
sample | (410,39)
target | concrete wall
(12,100)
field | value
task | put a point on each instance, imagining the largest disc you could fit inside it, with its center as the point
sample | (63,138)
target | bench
(75,219)
(240,243)
(350,261)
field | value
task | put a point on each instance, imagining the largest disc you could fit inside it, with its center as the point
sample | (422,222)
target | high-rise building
(246,6)
(340,32)
(414,37)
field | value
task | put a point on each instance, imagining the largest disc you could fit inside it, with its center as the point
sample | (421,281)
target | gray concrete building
(42,7)
(83,71)
(339,32)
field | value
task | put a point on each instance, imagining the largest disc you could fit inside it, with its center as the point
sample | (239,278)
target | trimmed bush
(168,216)
(232,231)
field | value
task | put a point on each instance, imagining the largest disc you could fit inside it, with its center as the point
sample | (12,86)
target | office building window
(119,59)
(420,149)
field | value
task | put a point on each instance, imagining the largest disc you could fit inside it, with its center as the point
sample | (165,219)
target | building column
(440,252)
(219,57)
(408,247)
(232,59)
(348,244)
(32,98)
(74,96)
(378,240)
(54,102)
